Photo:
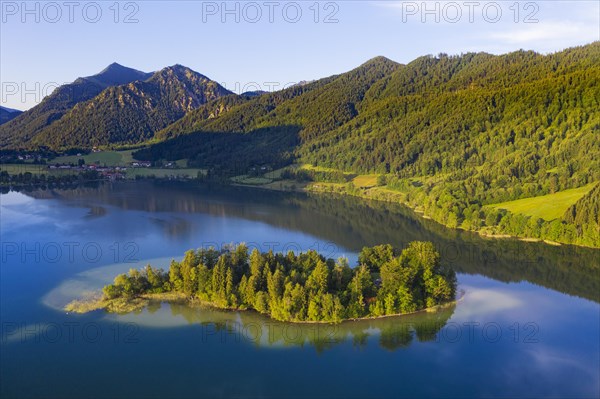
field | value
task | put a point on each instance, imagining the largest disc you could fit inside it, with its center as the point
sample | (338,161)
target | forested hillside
(317,107)
(132,113)
(290,115)
(452,134)
(28,124)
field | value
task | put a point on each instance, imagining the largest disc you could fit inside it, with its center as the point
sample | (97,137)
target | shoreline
(306,188)
(123,306)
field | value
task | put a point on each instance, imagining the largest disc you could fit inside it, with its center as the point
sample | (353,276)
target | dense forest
(585,213)
(303,287)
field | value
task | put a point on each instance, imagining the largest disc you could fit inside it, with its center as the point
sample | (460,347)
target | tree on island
(303,287)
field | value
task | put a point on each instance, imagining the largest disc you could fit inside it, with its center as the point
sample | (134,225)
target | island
(304,287)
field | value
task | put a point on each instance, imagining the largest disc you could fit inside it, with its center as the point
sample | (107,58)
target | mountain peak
(117,74)
(113,67)
(179,71)
(380,60)
(179,68)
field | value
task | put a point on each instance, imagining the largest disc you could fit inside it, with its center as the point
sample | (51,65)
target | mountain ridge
(132,112)
(50,122)
(7,114)
(53,107)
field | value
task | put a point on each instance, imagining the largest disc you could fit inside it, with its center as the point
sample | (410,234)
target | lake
(527,323)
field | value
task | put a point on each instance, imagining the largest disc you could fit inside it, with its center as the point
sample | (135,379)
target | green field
(108,158)
(365,181)
(547,207)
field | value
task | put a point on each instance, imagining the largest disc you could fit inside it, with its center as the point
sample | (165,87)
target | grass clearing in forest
(365,181)
(547,207)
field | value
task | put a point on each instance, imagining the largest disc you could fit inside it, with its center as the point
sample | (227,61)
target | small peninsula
(290,287)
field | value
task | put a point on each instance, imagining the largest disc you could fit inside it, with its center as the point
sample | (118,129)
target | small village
(107,172)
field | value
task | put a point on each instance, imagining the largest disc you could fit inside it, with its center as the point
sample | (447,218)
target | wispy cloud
(548,31)
(543,26)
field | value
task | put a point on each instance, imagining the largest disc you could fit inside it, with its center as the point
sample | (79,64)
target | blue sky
(272,43)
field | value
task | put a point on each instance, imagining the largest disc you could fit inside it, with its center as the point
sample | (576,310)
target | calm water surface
(527,325)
